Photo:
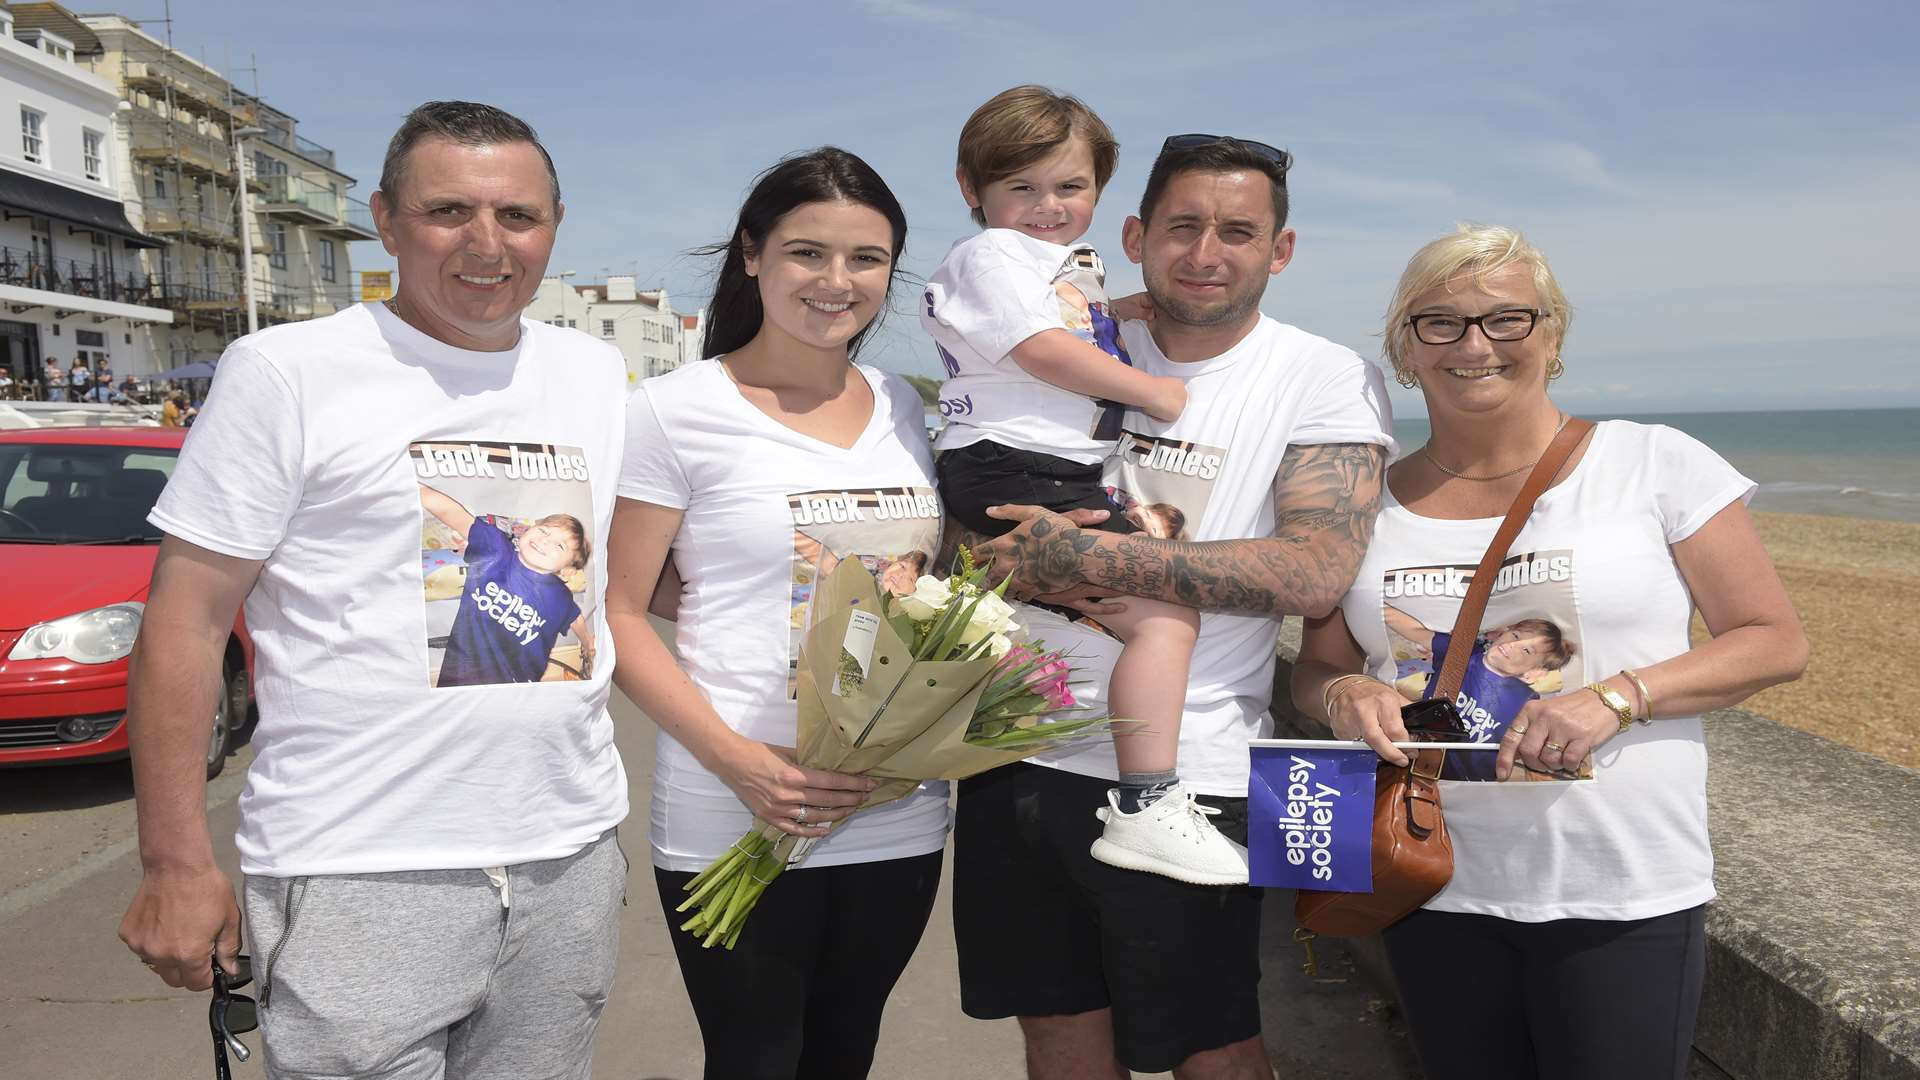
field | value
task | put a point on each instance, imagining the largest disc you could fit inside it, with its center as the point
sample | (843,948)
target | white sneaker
(1172,837)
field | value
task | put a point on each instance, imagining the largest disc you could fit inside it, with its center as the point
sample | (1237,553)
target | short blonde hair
(1475,250)
(1018,127)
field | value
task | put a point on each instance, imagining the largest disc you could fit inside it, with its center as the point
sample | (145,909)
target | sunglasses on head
(1272,154)
(231,1014)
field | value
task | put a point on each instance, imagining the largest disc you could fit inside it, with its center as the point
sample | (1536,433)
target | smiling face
(1474,374)
(1210,247)
(472,228)
(1051,199)
(823,272)
(549,549)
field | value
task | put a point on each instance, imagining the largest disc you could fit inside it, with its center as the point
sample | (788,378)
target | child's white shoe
(1172,837)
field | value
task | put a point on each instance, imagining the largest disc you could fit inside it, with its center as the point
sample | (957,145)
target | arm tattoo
(1325,498)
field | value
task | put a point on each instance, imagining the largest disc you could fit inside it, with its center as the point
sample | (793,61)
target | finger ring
(1556,747)
(151,966)
(1517,730)
(800,815)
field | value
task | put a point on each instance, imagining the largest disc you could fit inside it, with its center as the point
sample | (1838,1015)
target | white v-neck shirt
(767,511)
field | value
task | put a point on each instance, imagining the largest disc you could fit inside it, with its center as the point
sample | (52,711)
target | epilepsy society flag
(1310,815)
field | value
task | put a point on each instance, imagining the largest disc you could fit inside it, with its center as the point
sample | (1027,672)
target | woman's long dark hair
(828,174)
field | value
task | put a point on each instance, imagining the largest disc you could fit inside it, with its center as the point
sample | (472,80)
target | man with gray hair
(408,497)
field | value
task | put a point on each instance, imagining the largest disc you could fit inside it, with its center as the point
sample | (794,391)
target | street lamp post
(245,214)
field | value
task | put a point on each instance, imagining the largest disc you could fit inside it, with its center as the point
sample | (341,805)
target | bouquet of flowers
(927,686)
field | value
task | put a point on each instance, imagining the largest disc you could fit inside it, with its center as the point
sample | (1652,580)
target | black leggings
(800,995)
(1574,999)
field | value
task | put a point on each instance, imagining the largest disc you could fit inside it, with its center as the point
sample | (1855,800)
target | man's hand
(1042,554)
(180,921)
(1087,600)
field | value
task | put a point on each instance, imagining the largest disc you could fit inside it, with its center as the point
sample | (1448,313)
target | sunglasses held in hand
(231,1014)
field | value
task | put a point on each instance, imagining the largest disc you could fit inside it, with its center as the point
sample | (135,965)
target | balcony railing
(306,148)
(28,269)
(298,197)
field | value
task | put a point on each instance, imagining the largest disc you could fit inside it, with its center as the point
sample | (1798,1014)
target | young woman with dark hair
(729,462)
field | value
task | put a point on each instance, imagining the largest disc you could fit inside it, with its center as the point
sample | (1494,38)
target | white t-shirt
(1212,473)
(769,511)
(1594,560)
(992,292)
(398,726)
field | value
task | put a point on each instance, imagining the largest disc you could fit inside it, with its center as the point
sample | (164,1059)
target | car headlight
(100,636)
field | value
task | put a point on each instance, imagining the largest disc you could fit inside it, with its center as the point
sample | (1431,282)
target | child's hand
(1171,402)
(1137,306)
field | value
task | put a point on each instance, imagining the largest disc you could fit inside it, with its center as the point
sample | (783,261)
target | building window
(606,327)
(277,246)
(166,265)
(159,186)
(91,156)
(32,146)
(571,324)
(327,271)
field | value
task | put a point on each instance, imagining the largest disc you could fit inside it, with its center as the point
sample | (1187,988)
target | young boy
(1505,663)
(516,602)
(1038,382)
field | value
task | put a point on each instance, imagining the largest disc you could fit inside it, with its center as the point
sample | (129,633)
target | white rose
(998,645)
(924,603)
(992,616)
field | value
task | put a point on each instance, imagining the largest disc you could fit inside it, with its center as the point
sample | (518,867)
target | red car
(76,556)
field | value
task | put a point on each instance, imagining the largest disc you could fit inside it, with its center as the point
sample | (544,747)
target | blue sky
(1727,190)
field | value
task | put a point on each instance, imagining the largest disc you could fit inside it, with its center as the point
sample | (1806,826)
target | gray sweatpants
(468,974)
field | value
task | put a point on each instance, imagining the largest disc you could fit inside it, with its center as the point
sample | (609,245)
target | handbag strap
(1466,626)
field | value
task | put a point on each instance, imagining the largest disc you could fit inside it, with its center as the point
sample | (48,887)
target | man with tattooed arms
(1276,468)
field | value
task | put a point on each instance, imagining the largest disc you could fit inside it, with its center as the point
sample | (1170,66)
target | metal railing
(287,190)
(28,269)
(306,148)
(360,215)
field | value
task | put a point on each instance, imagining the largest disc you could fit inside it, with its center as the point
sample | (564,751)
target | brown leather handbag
(1412,853)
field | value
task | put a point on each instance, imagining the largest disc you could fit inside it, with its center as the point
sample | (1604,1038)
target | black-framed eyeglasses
(231,1014)
(1274,154)
(1440,328)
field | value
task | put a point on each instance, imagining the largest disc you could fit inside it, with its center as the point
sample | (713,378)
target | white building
(277,192)
(642,325)
(70,273)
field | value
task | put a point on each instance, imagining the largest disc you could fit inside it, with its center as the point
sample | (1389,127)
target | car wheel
(220,741)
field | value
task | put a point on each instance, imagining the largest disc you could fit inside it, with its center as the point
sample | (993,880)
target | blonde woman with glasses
(1570,941)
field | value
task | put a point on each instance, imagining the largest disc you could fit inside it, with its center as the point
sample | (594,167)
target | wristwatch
(1615,700)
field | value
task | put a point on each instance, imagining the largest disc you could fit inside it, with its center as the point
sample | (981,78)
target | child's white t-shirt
(1215,467)
(992,292)
(1594,558)
(310,454)
(767,512)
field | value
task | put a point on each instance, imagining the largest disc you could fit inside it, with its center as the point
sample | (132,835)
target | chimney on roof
(620,289)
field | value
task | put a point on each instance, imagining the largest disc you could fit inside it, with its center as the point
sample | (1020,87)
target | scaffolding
(181,122)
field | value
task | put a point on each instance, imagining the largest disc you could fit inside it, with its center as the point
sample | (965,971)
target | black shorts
(984,474)
(1044,930)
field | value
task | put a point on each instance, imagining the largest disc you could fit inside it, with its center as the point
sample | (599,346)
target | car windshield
(59,493)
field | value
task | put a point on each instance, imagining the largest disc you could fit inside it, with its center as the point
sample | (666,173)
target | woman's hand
(1556,734)
(791,798)
(1369,710)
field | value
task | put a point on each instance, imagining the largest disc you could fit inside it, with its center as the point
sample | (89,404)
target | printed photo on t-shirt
(1528,647)
(892,531)
(505,543)
(1162,486)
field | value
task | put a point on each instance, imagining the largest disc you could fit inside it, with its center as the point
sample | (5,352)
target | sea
(1843,462)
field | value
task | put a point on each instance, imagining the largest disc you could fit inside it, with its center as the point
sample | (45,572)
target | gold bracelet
(1328,697)
(1646,695)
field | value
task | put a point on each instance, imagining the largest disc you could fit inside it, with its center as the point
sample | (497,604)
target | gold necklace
(1425,453)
